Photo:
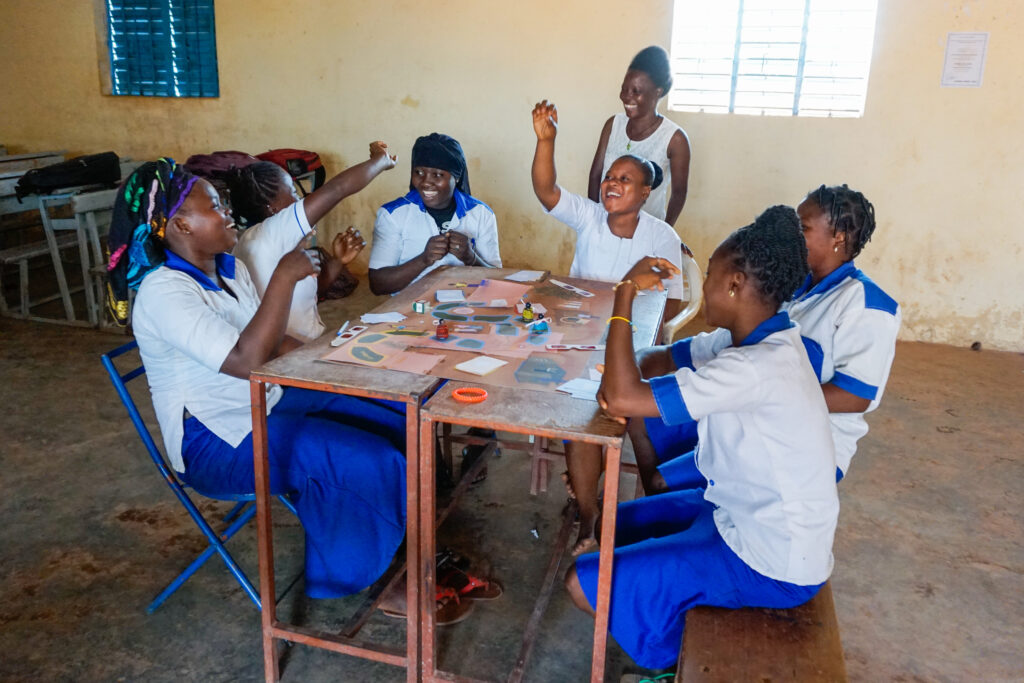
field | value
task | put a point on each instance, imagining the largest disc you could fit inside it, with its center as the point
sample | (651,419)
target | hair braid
(849,212)
(252,189)
(772,251)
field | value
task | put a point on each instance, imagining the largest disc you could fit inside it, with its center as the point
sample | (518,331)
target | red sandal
(472,587)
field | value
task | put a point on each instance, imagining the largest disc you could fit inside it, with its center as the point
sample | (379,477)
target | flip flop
(449,610)
(472,587)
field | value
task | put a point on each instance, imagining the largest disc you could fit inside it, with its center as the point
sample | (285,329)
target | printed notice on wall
(965,60)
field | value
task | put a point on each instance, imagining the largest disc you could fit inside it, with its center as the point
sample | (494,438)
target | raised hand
(651,273)
(379,150)
(437,247)
(347,245)
(545,120)
(302,261)
(458,246)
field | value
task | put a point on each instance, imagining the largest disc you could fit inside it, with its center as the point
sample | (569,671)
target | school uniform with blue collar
(338,457)
(403,227)
(854,325)
(761,534)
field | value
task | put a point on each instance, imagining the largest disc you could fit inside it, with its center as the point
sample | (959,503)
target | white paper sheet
(371,318)
(526,276)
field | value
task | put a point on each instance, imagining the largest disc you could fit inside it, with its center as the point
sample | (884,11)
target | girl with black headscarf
(437,223)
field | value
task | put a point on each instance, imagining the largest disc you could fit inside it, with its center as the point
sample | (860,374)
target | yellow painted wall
(944,167)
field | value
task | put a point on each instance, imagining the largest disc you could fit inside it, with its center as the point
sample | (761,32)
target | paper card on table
(371,318)
(581,388)
(498,303)
(447,296)
(595,375)
(526,276)
(481,365)
(495,290)
(410,361)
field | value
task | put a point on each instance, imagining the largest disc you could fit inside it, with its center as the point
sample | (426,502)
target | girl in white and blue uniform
(761,534)
(438,223)
(202,327)
(849,325)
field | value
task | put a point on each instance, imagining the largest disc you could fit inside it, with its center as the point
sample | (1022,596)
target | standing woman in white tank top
(642,131)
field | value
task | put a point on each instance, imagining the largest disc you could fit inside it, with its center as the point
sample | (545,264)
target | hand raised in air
(545,120)
(347,245)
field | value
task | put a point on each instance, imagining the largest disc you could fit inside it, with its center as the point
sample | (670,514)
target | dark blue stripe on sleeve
(670,400)
(814,354)
(854,386)
(681,353)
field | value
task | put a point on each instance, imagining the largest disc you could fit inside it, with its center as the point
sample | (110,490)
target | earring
(732,292)
(836,249)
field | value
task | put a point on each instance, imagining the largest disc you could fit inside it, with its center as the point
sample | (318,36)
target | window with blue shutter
(162,48)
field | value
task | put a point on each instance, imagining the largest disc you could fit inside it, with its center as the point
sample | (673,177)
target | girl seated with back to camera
(761,533)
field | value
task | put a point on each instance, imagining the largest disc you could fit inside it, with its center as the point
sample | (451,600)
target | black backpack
(91,169)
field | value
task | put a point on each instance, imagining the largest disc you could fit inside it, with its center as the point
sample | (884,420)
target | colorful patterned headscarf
(135,247)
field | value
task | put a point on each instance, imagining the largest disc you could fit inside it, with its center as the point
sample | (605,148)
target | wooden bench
(763,645)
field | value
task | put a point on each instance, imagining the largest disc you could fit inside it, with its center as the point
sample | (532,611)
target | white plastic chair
(693,295)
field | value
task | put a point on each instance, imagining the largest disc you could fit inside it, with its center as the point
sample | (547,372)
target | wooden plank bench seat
(763,645)
(21,255)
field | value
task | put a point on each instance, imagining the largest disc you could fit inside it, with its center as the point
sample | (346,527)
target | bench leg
(23,285)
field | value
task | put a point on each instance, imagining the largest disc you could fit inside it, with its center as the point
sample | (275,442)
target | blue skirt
(669,557)
(341,461)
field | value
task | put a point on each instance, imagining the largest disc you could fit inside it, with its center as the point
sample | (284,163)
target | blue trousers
(669,557)
(341,461)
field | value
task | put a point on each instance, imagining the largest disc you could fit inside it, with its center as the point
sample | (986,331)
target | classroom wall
(942,166)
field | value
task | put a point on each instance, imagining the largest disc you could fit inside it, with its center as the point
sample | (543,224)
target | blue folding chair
(238,517)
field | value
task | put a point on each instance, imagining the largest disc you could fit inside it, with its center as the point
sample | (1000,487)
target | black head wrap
(444,152)
(135,247)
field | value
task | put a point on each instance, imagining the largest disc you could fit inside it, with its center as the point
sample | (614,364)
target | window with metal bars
(162,48)
(772,57)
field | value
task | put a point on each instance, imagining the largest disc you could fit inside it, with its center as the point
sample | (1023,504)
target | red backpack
(298,162)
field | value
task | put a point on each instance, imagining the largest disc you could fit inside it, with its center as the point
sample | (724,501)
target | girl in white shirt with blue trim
(263,197)
(848,323)
(761,534)
(202,327)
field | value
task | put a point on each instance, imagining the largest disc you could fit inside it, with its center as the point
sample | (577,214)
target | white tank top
(654,147)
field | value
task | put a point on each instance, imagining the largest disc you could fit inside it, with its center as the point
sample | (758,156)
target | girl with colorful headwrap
(438,223)
(202,328)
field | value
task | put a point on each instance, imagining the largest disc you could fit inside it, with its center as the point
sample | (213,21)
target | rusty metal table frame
(301,368)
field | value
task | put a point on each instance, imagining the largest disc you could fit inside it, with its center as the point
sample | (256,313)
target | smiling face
(639,95)
(205,222)
(436,187)
(623,189)
(826,250)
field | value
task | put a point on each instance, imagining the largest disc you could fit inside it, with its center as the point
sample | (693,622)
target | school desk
(545,414)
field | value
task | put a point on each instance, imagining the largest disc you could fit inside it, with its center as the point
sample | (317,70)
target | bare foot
(586,541)
(568,485)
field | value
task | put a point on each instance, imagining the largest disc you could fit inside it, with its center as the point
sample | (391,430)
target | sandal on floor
(472,587)
(449,608)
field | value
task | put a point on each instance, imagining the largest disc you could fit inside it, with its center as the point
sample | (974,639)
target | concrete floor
(929,578)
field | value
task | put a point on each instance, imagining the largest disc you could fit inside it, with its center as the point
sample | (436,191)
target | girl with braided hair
(202,327)
(263,197)
(761,534)
(849,327)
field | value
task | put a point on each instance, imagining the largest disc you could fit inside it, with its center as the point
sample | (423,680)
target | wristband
(635,286)
(619,317)
(470,395)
